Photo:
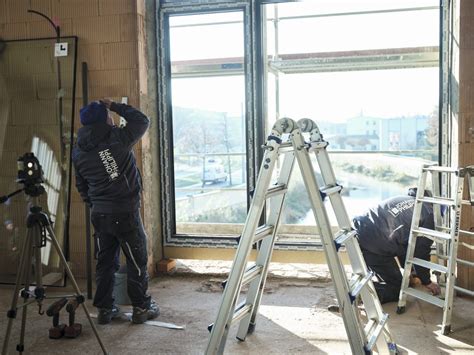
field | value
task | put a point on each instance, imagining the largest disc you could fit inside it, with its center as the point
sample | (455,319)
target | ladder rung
(317,146)
(438,200)
(465,262)
(443,228)
(460,261)
(276,190)
(262,232)
(251,274)
(465,232)
(425,297)
(329,190)
(372,338)
(432,233)
(241,311)
(360,284)
(442,169)
(429,265)
(344,235)
(369,327)
(463,290)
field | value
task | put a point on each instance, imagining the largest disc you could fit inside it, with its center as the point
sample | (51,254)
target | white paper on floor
(128,316)
(158,323)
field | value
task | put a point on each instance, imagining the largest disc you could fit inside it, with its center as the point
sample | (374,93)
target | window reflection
(51,173)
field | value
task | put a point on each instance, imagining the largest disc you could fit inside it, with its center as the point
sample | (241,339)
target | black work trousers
(389,277)
(115,231)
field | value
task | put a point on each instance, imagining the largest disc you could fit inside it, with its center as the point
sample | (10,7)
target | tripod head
(30,174)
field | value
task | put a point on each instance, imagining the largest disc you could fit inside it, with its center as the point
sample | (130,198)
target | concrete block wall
(108,40)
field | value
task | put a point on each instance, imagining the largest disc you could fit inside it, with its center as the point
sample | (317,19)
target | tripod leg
(74,284)
(35,247)
(23,270)
(20,346)
(38,263)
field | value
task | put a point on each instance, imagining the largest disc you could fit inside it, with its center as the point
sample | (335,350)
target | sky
(329,96)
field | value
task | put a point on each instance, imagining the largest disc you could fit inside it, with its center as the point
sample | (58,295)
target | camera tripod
(39,231)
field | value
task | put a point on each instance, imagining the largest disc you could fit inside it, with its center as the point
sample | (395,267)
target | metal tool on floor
(57,330)
(39,232)
(445,235)
(73,330)
(286,140)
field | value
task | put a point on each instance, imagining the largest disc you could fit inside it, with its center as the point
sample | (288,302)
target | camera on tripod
(29,170)
(30,174)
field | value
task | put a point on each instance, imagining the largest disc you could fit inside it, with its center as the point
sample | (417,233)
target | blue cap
(93,113)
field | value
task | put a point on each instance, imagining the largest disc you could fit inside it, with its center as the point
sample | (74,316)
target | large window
(367,72)
(208,111)
(371,84)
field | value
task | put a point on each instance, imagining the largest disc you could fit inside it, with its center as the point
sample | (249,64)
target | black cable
(56,28)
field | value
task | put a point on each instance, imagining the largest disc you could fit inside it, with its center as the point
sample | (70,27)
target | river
(360,194)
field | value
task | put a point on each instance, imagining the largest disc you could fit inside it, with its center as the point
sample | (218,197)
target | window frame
(255,110)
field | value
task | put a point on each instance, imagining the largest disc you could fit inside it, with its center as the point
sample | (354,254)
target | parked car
(213,171)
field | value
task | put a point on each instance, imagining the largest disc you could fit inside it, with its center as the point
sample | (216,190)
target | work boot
(105,315)
(141,315)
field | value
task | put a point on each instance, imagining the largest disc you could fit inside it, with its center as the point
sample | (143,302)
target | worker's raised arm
(137,122)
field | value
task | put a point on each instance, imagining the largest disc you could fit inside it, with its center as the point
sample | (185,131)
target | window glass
(208,123)
(36,110)
(366,88)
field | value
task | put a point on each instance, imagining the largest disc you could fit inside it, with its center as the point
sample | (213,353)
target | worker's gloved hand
(434,288)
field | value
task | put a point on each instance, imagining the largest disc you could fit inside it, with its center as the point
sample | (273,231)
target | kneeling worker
(108,180)
(383,236)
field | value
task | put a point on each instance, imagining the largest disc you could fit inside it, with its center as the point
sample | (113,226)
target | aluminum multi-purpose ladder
(286,139)
(445,234)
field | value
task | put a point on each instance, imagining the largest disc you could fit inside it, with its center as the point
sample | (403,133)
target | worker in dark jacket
(383,236)
(108,180)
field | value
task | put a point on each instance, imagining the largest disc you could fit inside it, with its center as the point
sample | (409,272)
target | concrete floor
(293,320)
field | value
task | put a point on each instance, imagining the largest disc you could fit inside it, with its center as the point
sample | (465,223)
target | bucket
(120,287)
